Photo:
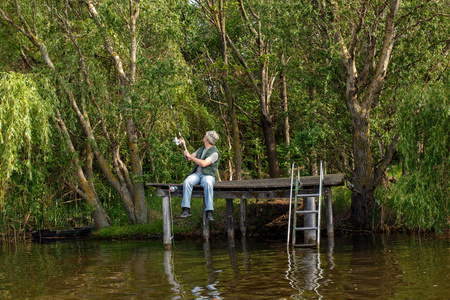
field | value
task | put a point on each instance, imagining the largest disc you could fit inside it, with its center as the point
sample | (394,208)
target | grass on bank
(154,229)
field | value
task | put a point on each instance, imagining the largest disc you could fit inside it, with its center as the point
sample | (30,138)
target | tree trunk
(236,141)
(228,95)
(284,100)
(363,176)
(136,191)
(101,219)
(271,150)
(366,175)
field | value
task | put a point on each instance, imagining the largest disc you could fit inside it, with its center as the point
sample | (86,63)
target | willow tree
(24,124)
(95,60)
(371,39)
(421,198)
(19,21)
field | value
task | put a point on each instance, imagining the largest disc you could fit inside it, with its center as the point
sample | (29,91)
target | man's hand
(183,143)
(186,153)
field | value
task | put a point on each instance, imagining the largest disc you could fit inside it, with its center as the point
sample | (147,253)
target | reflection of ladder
(305,273)
(315,223)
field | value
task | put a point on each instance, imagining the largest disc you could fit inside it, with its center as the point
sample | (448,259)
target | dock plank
(264,184)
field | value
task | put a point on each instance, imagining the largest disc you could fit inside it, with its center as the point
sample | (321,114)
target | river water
(357,267)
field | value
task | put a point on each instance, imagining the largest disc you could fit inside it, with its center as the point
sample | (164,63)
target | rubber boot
(186,212)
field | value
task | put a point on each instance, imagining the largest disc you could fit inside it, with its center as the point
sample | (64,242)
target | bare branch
(245,16)
(385,56)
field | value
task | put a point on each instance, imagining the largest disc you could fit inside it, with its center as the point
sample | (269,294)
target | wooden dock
(243,190)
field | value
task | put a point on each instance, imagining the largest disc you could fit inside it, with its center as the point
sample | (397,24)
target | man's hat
(212,137)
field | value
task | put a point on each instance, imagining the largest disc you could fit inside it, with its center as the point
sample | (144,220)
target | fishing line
(168,98)
(176,140)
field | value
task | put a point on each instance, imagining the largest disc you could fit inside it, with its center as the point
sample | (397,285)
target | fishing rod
(175,140)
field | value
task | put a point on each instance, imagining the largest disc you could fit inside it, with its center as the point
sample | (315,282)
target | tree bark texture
(284,99)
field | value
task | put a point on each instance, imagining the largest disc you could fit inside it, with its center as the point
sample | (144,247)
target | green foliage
(421,197)
(341,197)
(24,121)
(168,161)
(255,159)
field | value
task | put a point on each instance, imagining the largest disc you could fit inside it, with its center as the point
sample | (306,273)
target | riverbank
(266,218)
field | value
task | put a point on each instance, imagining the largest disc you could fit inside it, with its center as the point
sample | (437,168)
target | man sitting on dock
(206,161)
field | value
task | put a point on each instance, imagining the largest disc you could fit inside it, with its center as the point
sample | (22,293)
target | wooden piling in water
(230,222)
(243,219)
(310,236)
(206,227)
(167,223)
(329,213)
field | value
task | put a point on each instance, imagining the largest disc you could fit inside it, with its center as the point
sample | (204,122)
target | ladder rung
(305,228)
(305,245)
(307,195)
(307,211)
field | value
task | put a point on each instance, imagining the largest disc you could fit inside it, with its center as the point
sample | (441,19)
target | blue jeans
(206,181)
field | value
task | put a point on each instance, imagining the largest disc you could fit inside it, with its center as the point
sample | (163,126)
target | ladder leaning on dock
(299,193)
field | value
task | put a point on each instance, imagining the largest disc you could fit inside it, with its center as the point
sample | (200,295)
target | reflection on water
(362,267)
(304,271)
(171,278)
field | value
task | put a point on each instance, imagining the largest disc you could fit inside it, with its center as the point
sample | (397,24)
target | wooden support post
(244,217)
(310,236)
(206,228)
(167,225)
(230,223)
(329,213)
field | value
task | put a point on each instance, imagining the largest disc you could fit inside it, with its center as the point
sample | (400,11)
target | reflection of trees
(80,270)
(358,268)
(369,270)
(373,269)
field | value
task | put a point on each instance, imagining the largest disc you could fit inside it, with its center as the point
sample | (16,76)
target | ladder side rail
(294,231)
(290,197)
(320,203)
(290,204)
